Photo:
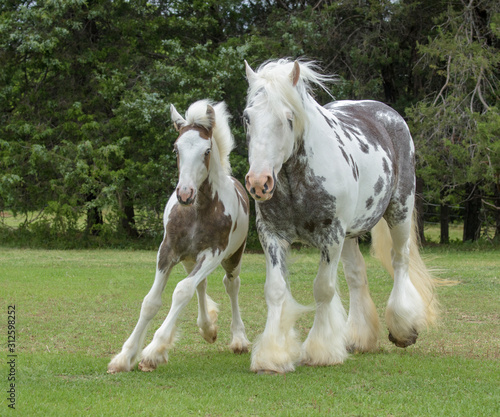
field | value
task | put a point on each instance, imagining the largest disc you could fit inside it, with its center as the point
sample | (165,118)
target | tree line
(85,89)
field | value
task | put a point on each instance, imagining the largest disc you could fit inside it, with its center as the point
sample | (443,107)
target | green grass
(432,232)
(74,310)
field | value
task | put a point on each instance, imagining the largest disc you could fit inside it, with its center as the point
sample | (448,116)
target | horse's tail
(420,276)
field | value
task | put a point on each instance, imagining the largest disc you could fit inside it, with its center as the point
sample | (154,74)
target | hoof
(120,364)
(266,372)
(352,349)
(113,370)
(209,337)
(146,366)
(240,349)
(411,340)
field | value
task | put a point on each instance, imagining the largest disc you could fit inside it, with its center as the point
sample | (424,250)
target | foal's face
(270,143)
(193,147)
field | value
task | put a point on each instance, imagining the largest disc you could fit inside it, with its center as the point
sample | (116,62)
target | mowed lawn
(74,310)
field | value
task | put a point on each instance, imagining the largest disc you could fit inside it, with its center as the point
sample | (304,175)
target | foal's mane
(221,132)
(273,77)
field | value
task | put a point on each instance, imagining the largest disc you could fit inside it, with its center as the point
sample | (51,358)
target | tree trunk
(472,222)
(94,217)
(497,213)
(127,221)
(419,207)
(445,221)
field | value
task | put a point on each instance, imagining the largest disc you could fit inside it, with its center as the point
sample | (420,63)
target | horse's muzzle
(261,187)
(186,195)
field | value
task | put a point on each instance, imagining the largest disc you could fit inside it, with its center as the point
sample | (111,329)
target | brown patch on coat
(231,263)
(193,229)
(242,195)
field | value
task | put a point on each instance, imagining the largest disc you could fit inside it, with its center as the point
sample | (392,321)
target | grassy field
(74,309)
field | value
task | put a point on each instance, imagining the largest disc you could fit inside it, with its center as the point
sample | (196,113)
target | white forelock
(273,77)
(197,114)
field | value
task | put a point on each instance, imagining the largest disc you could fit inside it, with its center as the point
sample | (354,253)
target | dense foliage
(85,88)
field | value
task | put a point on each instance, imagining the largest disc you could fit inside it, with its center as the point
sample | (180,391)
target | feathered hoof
(404,343)
(114,369)
(120,363)
(147,366)
(354,349)
(210,334)
(267,372)
(239,349)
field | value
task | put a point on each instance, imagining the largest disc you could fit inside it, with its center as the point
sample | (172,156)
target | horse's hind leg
(207,308)
(239,342)
(207,313)
(406,312)
(127,358)
(363,325)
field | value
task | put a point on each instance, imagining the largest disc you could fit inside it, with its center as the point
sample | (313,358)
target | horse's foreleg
(326,342)
(127,358)
(231,280)
(277,349)
(363,325)
(157,351)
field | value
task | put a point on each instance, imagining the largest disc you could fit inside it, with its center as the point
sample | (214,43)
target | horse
(326,176)
(205,224)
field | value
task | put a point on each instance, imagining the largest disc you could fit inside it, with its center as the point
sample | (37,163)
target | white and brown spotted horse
(324,176)
(206,224)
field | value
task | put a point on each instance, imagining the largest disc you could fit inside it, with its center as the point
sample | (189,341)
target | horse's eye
(289,118)
(207,151)
(175,150)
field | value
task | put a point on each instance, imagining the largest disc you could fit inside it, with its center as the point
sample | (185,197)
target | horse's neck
(212,187)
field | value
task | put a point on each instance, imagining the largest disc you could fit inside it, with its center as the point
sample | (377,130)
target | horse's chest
(191,230)
(302,209)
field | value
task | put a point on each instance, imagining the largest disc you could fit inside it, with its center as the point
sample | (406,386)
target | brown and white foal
(206,224)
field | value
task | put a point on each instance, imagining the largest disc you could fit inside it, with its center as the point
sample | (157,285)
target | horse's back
(379,128)
(379,123)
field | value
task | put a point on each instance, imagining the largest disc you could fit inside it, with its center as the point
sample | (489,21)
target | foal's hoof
(411,340)
(115,369)
(146,366)
(240,349)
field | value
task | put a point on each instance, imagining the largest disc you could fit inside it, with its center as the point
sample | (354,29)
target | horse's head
(272,124)
(193,148)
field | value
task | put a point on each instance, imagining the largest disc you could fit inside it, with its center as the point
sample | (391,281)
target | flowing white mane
(273,77)
(222,136)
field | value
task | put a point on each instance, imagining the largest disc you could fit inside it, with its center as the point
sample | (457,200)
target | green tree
(456,127)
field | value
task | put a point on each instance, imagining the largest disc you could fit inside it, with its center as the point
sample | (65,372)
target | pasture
(74,310)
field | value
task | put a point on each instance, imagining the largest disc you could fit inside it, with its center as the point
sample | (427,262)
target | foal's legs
(406,312)
(156,352)
(127,358)
(231,280)
(326,342)
(207,313)
(363,326)
(207,308)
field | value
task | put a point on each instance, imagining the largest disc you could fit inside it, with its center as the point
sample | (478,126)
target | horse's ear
(250,73)
(295,75)
(211,115)
(178,120)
